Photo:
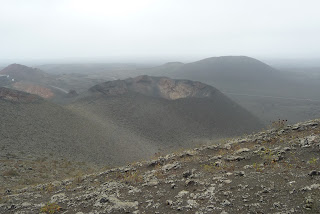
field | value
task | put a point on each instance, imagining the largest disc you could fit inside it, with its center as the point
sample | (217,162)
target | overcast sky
(175,29)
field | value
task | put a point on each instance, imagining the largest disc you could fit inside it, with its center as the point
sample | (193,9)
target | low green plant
(257,167)
(50,187)
(313,161)
(267,155)
(208,168)
(50,208)
(213,167)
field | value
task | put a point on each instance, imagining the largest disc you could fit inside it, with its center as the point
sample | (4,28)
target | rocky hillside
(33,89)
(16,96)
(163,87)
(275,171)
(36,81)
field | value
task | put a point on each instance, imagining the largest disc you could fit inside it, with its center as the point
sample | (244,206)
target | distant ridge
(34,81)
(25,73)
(224,72)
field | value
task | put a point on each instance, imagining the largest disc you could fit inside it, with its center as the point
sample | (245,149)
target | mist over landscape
(149,106)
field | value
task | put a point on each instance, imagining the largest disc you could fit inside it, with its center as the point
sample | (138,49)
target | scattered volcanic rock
(257,183)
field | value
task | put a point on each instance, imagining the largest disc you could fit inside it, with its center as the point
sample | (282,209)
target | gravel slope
(275,171)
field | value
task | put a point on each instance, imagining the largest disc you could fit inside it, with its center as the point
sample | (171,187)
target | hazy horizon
(157,31)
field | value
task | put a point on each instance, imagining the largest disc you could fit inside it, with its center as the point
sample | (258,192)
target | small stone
(190,182)
(169,202)
(227,146)
(25,204)
(309,203)
(239,173)
(153,182)
(170,166)
(226,203)
(218,163)
(313,173)
(239,151)
(182,193)
(58,197)
(188,154)
(286,149)
(227,181)
(295,127)
(186,174)
(192,203)
(104,200)
(234,158)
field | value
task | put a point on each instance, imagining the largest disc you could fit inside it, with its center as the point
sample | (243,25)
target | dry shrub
(50,208)
(10,173)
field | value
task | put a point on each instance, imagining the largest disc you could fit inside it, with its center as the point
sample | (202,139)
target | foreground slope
(170,113)
(276,171)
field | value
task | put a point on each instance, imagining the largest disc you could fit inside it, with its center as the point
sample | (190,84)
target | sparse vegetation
(313,161)
(240,170)
(209,168)
(279,124)
(257,167)
(214,167)
(50,208)
(159,174)
(10,173)
(267,155)
(50,187)
(130,177)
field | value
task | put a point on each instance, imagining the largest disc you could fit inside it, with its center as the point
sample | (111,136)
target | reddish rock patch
(34,89)
(16,96)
